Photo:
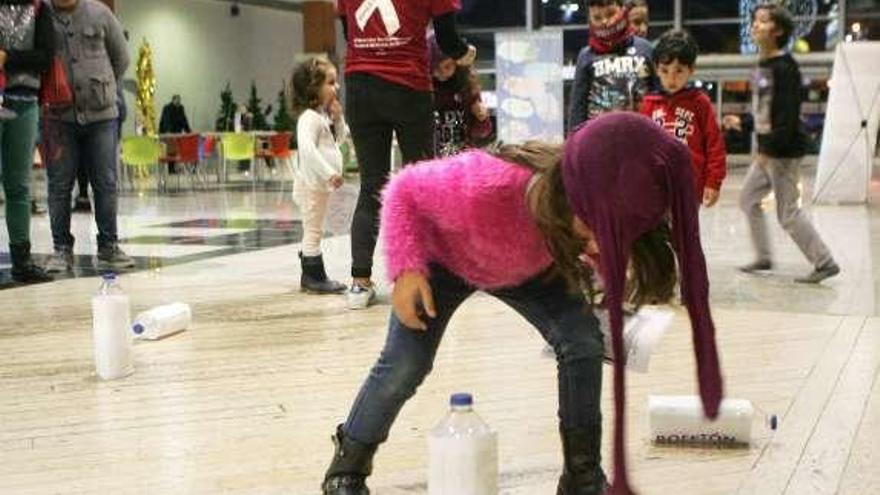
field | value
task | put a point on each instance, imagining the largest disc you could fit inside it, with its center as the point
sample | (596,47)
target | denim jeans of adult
(561,317)
(375,110)
(94,148)
(17,138)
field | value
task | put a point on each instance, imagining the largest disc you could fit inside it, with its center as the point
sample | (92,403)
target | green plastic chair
(139,153)
(237,146)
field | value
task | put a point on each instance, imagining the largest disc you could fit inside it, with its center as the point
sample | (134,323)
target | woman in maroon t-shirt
(388,92)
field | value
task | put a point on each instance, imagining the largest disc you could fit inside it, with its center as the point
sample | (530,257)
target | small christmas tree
(226,115)
(283,121)
(256,110)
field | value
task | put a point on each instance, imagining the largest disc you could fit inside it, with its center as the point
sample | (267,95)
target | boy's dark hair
(676,45)
(603,3)
(305,83)
(781,18)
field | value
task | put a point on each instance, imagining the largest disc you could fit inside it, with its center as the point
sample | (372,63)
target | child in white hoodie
(320,128)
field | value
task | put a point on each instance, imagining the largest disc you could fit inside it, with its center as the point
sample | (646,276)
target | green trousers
(17,140)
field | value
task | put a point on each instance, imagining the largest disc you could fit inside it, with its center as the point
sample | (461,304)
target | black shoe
(314,278)
(757,266)
(352,463)
(582,472)
(82,205)
(23,268)
(819,274)
(111,257)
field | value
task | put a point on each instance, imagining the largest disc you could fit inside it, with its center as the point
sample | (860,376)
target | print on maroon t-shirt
(386,38)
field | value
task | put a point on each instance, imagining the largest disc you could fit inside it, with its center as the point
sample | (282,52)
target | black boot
(314,278)
(352,463)
(23,268)
(582,474)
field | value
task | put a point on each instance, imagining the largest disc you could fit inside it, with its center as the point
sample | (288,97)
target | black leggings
(375,109)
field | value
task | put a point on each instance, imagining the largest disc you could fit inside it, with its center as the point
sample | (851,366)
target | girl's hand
(336,181)
(468,58)
(710,197)
(480,111)
(334,110)
(412,292)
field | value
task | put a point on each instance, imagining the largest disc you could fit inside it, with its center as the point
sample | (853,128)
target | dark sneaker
(82,205)
(819,274)
(30,274)
(60,261)
(757,266)
(113,257)
(37,208)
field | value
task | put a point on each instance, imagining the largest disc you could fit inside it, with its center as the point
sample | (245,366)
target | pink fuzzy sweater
(466,213)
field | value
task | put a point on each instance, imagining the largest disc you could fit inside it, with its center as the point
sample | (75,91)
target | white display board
(850,133)
(529,86)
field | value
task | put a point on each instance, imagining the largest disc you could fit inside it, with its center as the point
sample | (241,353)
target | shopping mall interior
(247,398)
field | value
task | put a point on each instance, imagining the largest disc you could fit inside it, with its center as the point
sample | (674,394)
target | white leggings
(313,205)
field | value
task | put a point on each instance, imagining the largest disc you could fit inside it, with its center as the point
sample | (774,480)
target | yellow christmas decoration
(146,89)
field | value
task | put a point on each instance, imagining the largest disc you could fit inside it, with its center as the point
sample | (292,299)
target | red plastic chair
(184,149)
(279,145)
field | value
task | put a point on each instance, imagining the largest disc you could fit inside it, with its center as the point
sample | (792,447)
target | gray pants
(780,175)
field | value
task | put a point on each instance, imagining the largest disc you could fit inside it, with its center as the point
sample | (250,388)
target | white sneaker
(360,297)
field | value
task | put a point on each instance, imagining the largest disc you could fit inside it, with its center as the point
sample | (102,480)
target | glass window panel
(708,9)
(492,13)
(863,6)
(568,12)
(485,44)
(716,38)
(868,26)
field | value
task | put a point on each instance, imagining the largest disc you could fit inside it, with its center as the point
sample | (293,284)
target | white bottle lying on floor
(462,452)
(679,420)
(162,321)
(110,323)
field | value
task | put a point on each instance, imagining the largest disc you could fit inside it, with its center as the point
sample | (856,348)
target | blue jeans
(562,318)
(94,148)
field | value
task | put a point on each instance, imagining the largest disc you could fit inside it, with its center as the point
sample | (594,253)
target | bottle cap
(461,400)
(137,328)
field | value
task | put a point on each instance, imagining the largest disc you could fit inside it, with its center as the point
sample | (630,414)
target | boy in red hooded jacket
(687,113)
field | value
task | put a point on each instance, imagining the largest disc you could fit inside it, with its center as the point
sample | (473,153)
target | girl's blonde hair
(305,83)
(652,275)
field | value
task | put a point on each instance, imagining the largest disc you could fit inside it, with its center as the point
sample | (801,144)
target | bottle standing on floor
(162,321)
(462,452)
(111,321)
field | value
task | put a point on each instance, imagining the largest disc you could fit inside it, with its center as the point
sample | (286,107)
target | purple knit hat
(623,174)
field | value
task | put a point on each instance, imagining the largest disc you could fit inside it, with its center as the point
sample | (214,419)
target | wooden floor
(246,400)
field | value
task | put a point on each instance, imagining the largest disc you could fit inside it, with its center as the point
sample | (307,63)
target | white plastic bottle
(162,321)
(111,320)
(678,419)
(462,452)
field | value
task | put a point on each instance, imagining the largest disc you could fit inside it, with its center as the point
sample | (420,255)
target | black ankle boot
(352,463)
(582,474)
(23,268)
(314,277)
